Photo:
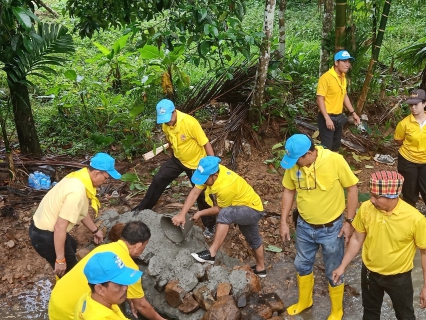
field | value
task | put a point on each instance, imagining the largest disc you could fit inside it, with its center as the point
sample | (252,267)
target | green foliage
(135,183)
(278,152)
(413,57)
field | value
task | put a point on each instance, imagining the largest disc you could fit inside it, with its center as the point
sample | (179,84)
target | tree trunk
(327,25)
(374,57)
(281,27)
(340,29)
(25,127)
(262,69)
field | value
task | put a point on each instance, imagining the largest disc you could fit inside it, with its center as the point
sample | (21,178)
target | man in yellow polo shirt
(389,231)
(73,285)
(235,201)
(331,97)
(65,205)
(189,144)
(317,177)
(108,279)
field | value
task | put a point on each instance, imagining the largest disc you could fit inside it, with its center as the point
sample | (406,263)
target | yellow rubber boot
(306,287)
(336,298)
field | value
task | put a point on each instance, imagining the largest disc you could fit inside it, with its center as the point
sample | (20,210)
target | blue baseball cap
(342,55)
(295,147)
(107,267)
(206,167)
(103,161)
(165,110)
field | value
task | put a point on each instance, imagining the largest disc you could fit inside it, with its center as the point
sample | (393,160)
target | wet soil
(22,267)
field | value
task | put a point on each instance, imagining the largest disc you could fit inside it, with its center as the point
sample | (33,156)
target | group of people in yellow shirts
(388,228)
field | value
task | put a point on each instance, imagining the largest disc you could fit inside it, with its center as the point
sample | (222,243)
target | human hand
(329,124)
(196,216)
(98,237)
(60,268)
(132,307)
(337,274)
(347,230)
(179,220)
(423,297)
(357,120)
(285,232)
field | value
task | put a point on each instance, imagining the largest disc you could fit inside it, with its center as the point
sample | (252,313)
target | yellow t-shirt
(413,147)
(73,285)
(89,309)
(187,140)
(67,200)
(333,89)
(327,199)
(230,189)
(391,237)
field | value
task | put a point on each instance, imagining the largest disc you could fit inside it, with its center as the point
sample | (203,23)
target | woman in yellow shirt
(410,134)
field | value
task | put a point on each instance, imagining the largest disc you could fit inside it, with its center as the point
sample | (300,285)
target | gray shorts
(246,218)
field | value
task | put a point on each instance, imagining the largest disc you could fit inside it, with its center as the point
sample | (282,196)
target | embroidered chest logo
(183,137)
(298,174)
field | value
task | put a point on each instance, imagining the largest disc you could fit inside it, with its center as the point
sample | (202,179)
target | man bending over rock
(235,202)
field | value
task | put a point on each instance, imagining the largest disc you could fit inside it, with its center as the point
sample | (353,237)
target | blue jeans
(308,241)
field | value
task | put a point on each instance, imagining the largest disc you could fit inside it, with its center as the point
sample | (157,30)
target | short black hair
(92,286)
(312,147)
(135,231)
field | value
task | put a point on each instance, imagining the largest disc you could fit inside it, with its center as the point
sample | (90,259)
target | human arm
(179,219)
(206,212)
(399,142)
(354,246)
(98,236)
(321,105)
(286,204)
(423,291)
(347,228)
(348,105)
(209,149)
(145,309)
(59,238)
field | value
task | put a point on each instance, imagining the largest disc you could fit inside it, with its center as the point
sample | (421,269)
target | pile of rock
(179,287)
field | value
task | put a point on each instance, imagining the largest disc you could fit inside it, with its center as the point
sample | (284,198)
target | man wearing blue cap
(65,205)
(235,201)
(189,144)
(331,97)
(108,280)
(133,240)
(317,177)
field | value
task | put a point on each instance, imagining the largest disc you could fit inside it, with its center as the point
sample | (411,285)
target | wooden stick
(152,154)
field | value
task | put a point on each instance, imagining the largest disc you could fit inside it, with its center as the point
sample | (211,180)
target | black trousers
(329,138)
(414,180)
(169,171)
(43,243)
(399,287)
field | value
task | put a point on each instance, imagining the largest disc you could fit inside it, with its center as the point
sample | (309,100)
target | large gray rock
(164,260)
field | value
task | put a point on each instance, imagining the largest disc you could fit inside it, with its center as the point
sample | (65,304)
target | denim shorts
(246,218)
(308,241)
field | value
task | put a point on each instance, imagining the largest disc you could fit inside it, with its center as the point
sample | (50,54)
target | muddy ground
(21,266)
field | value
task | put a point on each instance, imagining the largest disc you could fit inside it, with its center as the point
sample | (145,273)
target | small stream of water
(33,305)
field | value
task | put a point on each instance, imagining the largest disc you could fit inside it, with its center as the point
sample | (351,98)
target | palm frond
(48,41)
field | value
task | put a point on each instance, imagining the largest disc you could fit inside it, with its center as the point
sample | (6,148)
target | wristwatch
(349,220)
